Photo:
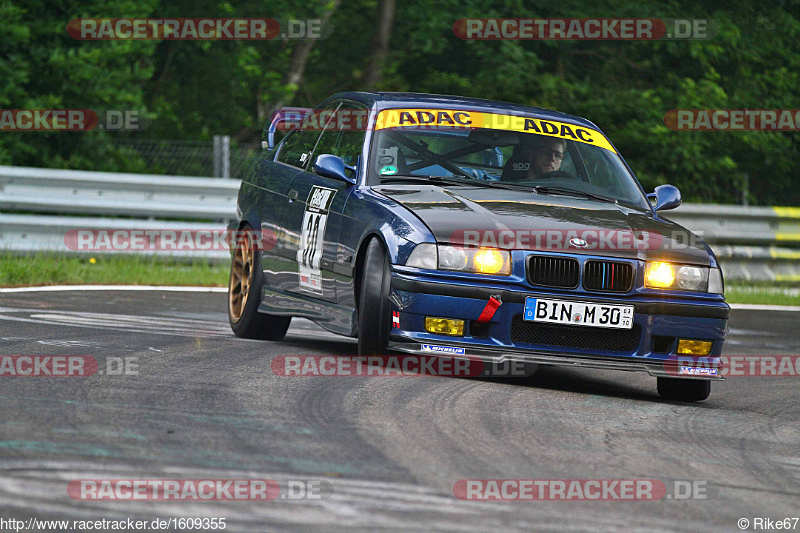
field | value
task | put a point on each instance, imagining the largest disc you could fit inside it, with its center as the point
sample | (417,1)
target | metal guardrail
(740,225)
(157,202)
(751,243)
(42,190)
(43,233)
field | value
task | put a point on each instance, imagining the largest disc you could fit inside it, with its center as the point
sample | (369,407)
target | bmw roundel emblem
(578,243)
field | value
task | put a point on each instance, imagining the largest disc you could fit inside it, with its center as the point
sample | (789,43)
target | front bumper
(646,348)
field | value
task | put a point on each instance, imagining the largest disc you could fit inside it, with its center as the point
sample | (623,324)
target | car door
(273,181)
(321,201)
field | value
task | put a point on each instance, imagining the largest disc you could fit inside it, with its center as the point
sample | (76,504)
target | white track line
(63,288)
(759,307)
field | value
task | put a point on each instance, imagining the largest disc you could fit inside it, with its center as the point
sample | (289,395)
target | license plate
(579,313)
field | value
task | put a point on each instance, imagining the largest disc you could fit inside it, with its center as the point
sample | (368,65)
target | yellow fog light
(688,347)
(659,275)
(444,326)
(489,261)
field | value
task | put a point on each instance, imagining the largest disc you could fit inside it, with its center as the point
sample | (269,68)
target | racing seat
(517,166)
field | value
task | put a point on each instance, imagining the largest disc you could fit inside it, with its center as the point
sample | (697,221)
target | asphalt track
(387,451)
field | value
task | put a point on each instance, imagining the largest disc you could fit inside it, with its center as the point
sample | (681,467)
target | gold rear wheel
(241,276)
(245,288)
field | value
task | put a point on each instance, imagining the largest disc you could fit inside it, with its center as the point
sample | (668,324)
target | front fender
(397,227)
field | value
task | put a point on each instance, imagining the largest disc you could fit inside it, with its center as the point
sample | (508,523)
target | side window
(296,150)
(344,136)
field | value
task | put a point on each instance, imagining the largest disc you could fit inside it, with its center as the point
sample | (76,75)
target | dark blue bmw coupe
(466,228)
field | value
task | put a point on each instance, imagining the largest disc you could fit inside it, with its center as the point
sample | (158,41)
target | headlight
(489,261)
(659,275)
(452,258)
(424,256)
(461,259)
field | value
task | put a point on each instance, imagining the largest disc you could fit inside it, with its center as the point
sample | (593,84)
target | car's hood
(527,220)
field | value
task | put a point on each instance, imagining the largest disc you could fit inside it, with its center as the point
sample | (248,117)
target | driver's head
(546,155)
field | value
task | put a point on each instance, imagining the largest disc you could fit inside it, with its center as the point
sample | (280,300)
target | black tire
(244,294)
(685,390)
(374,308)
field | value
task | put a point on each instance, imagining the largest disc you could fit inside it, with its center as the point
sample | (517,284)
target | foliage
(193,90)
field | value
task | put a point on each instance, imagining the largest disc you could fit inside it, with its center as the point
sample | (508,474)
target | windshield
(552,162)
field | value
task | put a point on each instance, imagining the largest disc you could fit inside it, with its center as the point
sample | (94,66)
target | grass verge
(767,293)
(60,269)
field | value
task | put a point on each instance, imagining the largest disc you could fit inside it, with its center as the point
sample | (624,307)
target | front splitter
(470,352)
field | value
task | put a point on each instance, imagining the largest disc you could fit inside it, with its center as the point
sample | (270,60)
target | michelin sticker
(315,219)
(443,349)
(698,371)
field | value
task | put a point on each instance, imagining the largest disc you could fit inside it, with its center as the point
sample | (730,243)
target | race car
(466,228)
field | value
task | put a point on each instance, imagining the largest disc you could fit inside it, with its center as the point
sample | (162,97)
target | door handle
(292,195)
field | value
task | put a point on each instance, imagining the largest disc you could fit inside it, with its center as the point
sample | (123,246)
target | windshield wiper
(546,189)
(510,186)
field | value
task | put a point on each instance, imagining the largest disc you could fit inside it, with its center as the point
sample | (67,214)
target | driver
(542,155)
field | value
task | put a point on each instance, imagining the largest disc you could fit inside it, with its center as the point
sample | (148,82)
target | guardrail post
(226,156)
(222,156)
(217,156)
(745,189)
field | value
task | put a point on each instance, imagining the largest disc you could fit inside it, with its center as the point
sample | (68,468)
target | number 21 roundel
(315,218)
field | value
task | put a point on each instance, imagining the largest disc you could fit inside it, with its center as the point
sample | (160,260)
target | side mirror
(332,166)
(665,197)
